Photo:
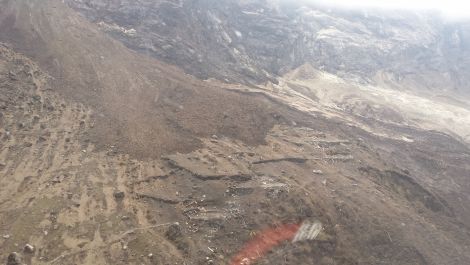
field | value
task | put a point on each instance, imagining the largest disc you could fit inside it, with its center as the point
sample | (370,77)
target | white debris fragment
(238,34)
(28,248)
(308,231)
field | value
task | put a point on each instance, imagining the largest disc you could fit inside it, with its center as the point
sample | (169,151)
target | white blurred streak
(452,9)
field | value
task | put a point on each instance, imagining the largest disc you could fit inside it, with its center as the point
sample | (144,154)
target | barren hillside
(114,154)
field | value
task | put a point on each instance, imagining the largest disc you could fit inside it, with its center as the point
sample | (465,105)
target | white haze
(453,9)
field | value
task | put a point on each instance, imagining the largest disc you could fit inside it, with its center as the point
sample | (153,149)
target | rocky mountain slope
(137,100)
(112,154)
(256,41)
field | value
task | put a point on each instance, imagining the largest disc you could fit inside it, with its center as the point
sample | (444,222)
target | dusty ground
(375,196)
(385,191)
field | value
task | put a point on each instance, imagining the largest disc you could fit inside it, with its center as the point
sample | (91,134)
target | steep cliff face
(256,41)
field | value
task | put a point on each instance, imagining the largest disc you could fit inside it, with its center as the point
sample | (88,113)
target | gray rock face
(253,41)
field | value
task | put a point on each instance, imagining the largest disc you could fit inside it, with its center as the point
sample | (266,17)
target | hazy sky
(450,8)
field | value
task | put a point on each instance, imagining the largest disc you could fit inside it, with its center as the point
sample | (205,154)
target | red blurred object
(263,242)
